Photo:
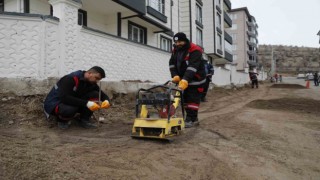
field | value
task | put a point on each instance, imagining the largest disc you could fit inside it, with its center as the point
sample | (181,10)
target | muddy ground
(265,133)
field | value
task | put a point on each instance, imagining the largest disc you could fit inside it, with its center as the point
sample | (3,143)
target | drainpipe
(190,20)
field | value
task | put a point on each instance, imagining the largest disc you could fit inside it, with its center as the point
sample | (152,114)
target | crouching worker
(74,93)
(187,69)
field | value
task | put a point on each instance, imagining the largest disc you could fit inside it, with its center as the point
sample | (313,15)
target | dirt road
(265,133)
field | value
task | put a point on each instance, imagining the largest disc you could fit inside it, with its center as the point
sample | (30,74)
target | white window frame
(158,5)
(199,39)
(138,33)
(199,13)
(165,43)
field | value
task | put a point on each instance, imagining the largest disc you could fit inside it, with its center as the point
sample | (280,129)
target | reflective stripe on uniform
(193,106)
(192,69)
(172,66)
(197,82)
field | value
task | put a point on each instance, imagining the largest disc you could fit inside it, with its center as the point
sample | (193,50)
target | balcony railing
(251,44)
(228,56)
(227,37)
(252,53)
(228,3)
(251,34)
(227,19)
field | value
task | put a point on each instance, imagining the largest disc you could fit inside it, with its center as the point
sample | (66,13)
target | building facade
(244,32)
(130,39)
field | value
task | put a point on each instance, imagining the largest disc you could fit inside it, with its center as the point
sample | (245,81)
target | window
(218,20)
(219,42)
(82,17)
(234,37)
(1,5)
(157,5)
(234,26)
(199,13)
(165,44)
(199,37)
(137,33)
(234,47)
(235,57)
(26,6)
(233,16)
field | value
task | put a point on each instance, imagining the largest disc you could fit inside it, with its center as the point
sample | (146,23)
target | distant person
(254,79)
(74,93)
(280,78)
(276,77)
(209,73)
(316,79)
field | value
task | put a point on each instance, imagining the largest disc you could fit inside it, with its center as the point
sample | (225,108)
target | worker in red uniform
(187,69)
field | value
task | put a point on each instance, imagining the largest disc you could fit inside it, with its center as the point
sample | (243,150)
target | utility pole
(273,66)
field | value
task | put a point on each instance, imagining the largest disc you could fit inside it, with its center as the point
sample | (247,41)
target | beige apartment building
(244,34)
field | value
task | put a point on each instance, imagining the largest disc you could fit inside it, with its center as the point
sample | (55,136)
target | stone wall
(291,59)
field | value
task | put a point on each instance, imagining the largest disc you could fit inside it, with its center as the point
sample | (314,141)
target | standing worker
(187,69)
(209,72)
(315,79)
(76,92)
(254,79)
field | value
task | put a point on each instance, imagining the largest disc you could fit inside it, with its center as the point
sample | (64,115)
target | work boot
(196,122)
(188,124)
(86,124)
(63,125)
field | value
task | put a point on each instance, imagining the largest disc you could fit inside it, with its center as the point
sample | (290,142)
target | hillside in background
(290,59)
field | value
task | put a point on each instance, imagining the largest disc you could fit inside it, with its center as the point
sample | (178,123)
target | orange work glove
(183,84)
(105,104)
(176,79)
(93,106)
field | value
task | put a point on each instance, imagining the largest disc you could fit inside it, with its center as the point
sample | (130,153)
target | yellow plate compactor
(157,111)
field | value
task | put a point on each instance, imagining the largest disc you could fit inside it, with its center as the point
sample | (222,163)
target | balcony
(251,34)
(137,6)
(227,3)
(252,63)
(252,53)
(227,37)
(227,20)
(228,56)
(251,44)
(250,24)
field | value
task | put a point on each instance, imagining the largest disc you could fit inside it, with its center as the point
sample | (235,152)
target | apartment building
(217,42)
(244,33)
(130,39)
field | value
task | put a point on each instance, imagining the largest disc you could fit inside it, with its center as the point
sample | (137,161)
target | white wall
(222,76)
(122,60)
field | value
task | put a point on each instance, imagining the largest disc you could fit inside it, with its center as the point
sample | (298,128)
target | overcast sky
(285,22)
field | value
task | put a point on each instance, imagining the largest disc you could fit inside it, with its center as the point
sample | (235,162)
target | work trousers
(205,88)
(192,96)
(254,82)
(66,112)
(316,82)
